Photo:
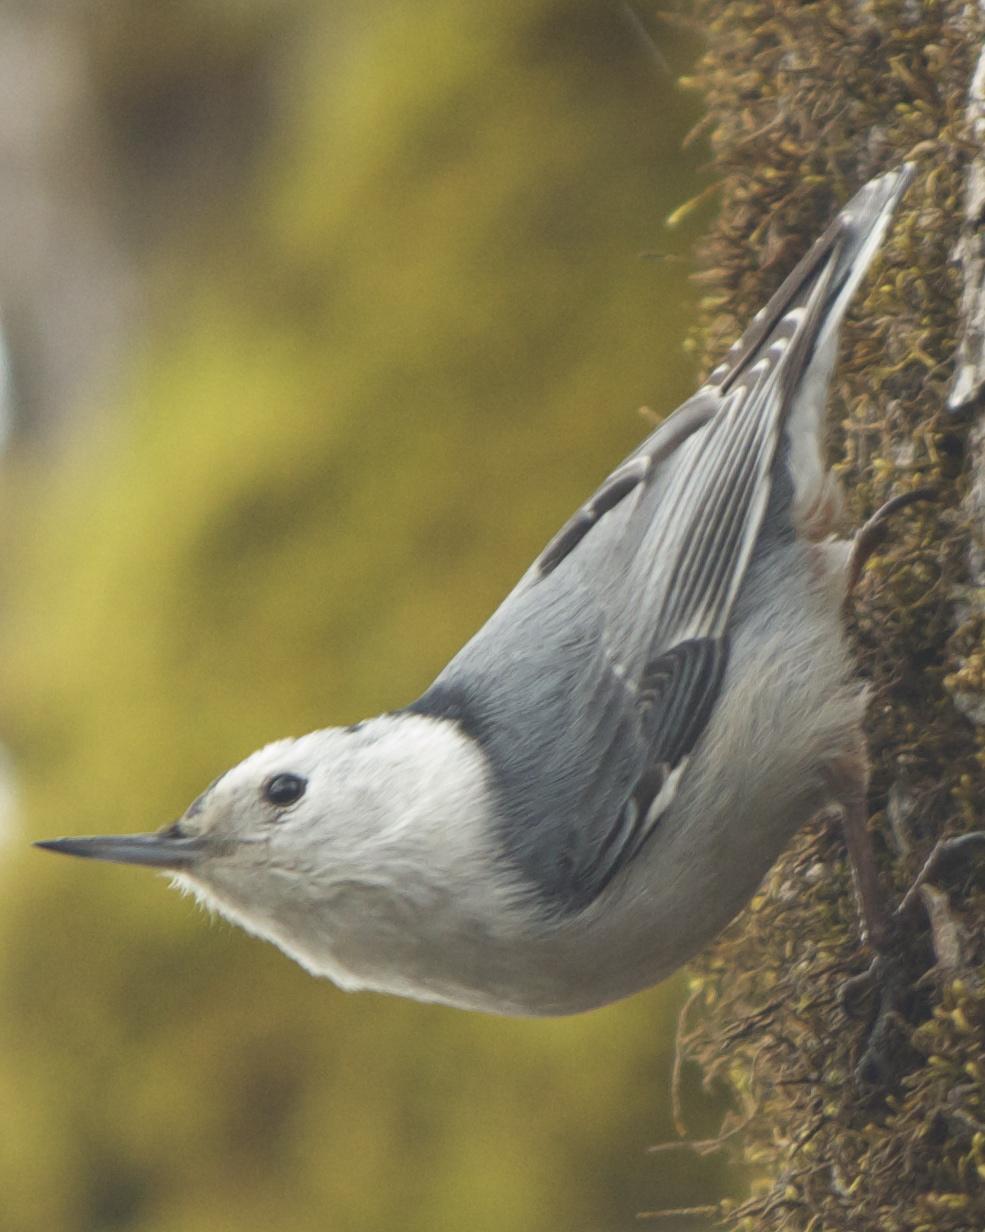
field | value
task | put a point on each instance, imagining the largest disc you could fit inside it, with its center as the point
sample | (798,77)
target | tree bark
(806,102)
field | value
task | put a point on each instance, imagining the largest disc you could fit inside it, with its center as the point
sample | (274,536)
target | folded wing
(592,684)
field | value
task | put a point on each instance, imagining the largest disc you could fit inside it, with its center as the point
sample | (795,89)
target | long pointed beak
(162,849)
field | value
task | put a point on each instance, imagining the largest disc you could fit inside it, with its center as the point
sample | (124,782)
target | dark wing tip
(864,213)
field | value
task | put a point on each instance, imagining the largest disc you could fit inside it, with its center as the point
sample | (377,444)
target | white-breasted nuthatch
(598,782)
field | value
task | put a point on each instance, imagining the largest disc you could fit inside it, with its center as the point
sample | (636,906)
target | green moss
(807,102)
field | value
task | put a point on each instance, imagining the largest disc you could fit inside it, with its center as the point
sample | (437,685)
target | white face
(292,807)
(261,829)
(334,847)
(281,808)
(335,806)
(274,790)
(364,853)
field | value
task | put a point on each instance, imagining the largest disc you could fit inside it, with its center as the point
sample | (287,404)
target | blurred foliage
(397,337)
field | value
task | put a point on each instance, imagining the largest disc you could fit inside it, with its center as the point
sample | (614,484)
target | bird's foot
(886,990)
(881,993)
(872,533)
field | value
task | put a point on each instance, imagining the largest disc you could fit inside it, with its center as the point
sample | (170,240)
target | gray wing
(591,685)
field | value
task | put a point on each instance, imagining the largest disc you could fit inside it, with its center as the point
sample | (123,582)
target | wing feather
(678,694)
(592,685)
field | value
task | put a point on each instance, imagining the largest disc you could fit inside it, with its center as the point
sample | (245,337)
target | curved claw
(871,533)
(887,979)
(880,1060)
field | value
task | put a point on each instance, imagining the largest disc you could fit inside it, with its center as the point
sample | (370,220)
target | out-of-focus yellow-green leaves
(383,374)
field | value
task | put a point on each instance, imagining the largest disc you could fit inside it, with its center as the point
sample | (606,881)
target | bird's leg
(871,533)
(849,777)
(848,780)
(866,540)
(886,974)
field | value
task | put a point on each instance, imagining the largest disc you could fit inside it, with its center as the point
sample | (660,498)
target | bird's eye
(284,789)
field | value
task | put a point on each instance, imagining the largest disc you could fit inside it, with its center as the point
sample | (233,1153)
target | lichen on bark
(807,101)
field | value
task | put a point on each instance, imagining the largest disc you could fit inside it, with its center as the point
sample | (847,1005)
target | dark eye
(284,789)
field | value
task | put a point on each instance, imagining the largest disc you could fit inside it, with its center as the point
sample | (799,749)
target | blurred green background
(319,320)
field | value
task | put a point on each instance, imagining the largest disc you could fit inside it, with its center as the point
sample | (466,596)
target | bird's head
(302,837)
(278,800)
(308,831)
(356,850)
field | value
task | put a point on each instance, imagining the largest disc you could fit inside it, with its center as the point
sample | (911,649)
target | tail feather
(850,242)
(834,266)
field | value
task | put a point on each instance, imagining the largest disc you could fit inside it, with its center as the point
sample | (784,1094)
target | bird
(598,782)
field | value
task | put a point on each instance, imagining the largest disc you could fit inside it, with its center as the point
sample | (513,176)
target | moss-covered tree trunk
(806,101)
